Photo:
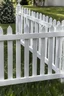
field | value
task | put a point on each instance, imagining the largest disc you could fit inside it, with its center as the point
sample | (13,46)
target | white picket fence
(31,22)
(40,35)
(57,67)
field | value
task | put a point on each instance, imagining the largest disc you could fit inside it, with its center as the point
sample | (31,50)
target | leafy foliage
(24,2)
(7,12)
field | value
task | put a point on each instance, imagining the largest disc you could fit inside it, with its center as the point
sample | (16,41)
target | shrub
(7,12)
(24,2)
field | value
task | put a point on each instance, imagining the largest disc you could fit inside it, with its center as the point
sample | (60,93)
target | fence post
(18,18)
(18,46)
(62,59)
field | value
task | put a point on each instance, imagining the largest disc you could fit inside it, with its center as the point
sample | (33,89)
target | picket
(18,18)
(26,54)
(32,28)
(10,54)
(43,17)
(40,17)
(58,47)
(53,46)
(50,53)
(50,20)
(25,20)
(34,65)
(1,57)
(43,49)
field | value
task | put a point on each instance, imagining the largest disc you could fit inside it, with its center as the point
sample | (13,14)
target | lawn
(5,26)
(54,12)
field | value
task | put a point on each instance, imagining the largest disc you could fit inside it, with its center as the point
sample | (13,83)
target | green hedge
(7,13)
(24,2)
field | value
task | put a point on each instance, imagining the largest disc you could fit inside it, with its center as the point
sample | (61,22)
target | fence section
(46,72)
(39,23)
(40,35)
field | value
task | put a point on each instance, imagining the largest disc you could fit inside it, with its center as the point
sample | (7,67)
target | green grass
(5,26)
(54,12)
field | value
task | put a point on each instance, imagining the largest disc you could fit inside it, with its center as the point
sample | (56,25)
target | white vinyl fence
(34,22)
(51,63)
(40,35)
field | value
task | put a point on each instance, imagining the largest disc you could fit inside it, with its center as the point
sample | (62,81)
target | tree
(24,2)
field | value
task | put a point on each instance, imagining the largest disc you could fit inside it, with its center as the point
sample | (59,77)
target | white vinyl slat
(26,53)
(10,54)
(34,64)
(46,39)
(42,61)
(58,43)
(25,21)
(18,59)
(26,58)
(21,24)
(1,56)
(22,21)
(62,58)
(63,55)
(56,53)
(51,29)
(50,55)
(60,53)
(31,32)
(18,18)
(44,18)
(36,31)
(32,29)
(40,30)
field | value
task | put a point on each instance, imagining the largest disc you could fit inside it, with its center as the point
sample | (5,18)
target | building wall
(54,2)
(1,1)
(10,0)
